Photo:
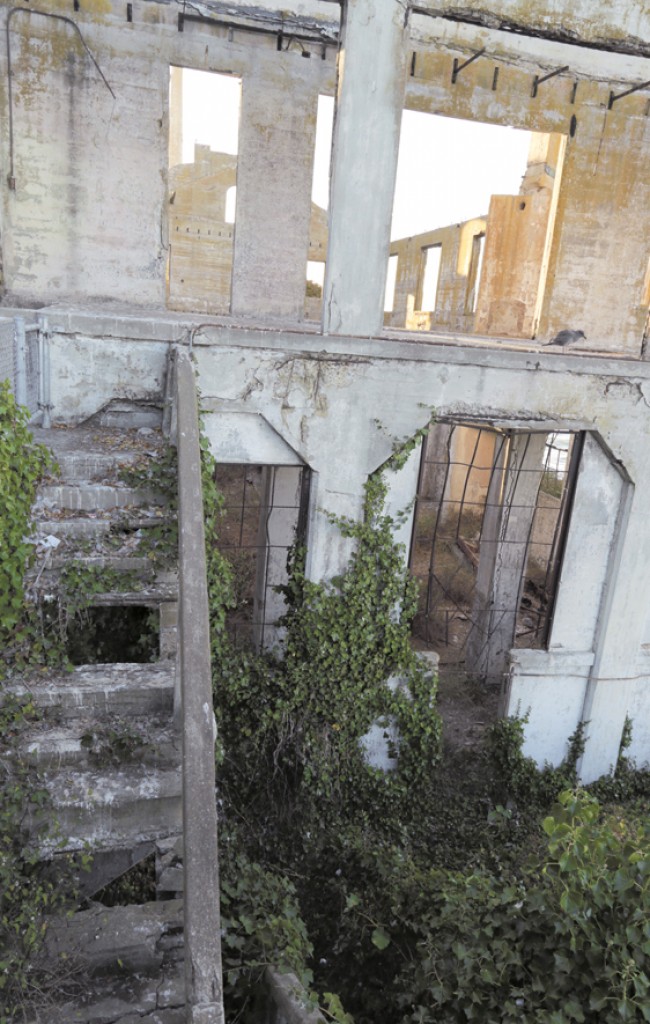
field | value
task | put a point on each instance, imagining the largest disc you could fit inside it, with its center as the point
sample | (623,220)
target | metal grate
(264,514)
(490,517)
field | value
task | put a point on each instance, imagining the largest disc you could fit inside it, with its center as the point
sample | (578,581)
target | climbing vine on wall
(298,720)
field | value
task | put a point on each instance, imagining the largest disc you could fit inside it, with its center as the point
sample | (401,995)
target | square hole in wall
(114,634)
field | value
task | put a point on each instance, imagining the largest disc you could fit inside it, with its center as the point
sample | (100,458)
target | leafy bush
(260,926)
(569,942)
(29,892)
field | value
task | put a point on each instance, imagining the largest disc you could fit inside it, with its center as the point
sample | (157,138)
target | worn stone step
(139,565)
(96,526)
(113,808)
(94,453)
(131,964)
(162,588)
(108,740)
(91,497)
(126,689)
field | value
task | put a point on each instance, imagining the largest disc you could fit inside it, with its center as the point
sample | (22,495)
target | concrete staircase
(105,744)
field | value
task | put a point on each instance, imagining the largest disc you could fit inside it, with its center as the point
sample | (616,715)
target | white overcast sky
(447,168)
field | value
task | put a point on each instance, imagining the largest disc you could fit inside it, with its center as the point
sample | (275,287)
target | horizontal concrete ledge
(551,663)
(305,339)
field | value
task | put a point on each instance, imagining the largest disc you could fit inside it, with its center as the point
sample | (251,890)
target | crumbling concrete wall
(84,209)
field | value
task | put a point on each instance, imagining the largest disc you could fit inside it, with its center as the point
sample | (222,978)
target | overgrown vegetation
(27,892)
(471,887)
(30,889)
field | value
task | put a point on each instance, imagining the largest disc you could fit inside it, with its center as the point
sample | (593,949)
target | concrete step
(98,525)
(94,453)
(127,690)
(48,568)
(90,742)
(113,808)
(126,415)
(162,589)
(131,960)
(85,497)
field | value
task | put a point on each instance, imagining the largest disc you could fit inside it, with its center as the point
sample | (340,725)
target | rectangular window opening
(486,196)
(432,257)
(204,109)
(391,283)
(491,517)
(264,514)
(320,193)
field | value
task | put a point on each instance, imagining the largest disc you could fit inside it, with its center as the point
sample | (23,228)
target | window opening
(476,268)
(430,277)
(230,205)
(491,515)
(264,513)
(391,282)
(203,141)
(486,195)
(319,205)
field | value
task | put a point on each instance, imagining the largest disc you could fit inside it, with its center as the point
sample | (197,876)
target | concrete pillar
(279,515)
(364,162)
(504,545)
(274,178)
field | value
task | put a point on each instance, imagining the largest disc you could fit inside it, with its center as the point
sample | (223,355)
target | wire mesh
(490,518)
(264,514)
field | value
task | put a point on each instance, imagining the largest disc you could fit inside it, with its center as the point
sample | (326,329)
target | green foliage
(568,942)
(261,926)
(22,464)
(298,722)
(159,541)
(517,778)
(28,891)
(431,892)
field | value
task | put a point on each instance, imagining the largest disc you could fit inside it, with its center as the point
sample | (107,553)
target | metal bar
(459,67)
(44,371)
(537,80)
(635,88)
(20,356)
(203,984)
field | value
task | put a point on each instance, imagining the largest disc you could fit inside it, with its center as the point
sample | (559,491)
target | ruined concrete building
(126,256)
(321,336)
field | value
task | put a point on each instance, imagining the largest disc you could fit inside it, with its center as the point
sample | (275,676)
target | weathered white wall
(88,217)
(322,399)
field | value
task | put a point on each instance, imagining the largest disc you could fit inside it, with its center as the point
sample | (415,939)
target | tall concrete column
(274,178)
(372,69)
(504,545)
